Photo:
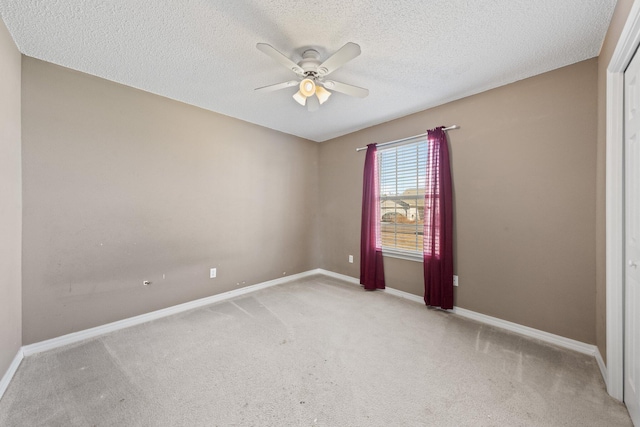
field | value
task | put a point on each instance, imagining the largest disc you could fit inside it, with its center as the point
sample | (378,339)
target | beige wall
(524,170)
(122,186)
(10,202)
(613,34)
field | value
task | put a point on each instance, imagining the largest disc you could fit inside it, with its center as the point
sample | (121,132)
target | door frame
(615,238)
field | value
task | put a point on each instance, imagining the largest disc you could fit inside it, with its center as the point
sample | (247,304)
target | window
(402,170)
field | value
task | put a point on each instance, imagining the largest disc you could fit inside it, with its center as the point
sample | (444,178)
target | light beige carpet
(316,352)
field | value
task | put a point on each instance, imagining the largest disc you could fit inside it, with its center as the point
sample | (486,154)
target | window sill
(408,256)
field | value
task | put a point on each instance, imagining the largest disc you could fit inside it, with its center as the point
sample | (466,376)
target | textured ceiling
(416,54)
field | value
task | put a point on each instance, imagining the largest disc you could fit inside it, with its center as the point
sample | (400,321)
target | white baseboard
(8,376)
(74,337)
(125,323)
(558,340)
(338,276)
(405,295)
(603,367)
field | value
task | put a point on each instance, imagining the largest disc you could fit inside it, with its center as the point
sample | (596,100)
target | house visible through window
(402,170)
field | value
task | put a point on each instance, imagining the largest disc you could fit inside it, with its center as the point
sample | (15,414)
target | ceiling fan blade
(345,54)
(313,104)
(277,86)
(347,89)
(279,57)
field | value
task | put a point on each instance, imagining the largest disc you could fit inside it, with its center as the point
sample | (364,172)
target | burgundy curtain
(438,223)
(371,268)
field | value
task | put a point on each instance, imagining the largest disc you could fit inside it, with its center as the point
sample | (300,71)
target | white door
(632,240)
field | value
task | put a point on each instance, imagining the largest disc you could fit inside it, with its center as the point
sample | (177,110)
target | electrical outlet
(350,259)
(455,280)
(212,273)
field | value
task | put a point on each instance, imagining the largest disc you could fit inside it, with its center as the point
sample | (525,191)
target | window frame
(394,252)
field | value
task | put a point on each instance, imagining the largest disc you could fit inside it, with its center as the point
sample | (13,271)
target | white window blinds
(402,171)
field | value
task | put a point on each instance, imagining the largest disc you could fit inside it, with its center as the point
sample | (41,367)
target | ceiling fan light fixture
(311,74)
(307,87)
(300,98)
(322,94)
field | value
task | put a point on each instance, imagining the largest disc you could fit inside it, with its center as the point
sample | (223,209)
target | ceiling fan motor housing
(310,62)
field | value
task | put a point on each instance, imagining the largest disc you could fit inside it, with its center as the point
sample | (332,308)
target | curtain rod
(397,141)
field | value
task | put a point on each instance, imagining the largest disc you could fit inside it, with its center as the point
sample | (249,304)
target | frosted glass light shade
(307,87)
(300,98)
(322,94)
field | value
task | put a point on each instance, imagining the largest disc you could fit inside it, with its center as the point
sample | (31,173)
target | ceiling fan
(311,75)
